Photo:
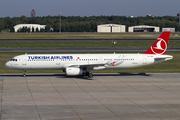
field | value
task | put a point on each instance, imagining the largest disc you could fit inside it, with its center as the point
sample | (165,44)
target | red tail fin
(160,45)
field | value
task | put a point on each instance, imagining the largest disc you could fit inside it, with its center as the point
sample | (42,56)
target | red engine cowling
(73,71)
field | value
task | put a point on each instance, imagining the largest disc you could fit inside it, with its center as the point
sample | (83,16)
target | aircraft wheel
(24,75)
(90,75)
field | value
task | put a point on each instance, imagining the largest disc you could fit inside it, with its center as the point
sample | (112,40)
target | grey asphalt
(77,49)
(151,96)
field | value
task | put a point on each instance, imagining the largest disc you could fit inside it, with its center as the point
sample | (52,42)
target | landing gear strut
(24,75)
(89,74)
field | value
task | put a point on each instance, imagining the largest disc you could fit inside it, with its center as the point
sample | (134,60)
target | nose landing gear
(24,75)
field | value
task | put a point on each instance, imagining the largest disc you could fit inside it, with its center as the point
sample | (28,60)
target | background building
(31,26)
(111,28)
(143,28)
(168,29)
(33,13)
(149,15)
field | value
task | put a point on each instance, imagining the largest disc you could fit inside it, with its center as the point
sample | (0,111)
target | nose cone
(8,64)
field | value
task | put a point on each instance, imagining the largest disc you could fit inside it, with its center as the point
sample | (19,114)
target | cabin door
(144,60)
(58,62)
(24,60)
(99,60)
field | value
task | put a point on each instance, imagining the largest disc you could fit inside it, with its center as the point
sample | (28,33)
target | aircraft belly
(42,66)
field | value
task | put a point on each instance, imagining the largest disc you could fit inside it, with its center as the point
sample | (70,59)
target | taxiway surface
(104,97)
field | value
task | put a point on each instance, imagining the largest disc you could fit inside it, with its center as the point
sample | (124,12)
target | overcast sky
(17,8)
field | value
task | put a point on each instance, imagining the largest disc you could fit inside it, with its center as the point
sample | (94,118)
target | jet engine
(73,71)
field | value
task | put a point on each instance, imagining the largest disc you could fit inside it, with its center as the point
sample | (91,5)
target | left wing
(88,66)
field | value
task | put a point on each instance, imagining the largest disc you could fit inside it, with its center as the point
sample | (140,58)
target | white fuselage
(95,61)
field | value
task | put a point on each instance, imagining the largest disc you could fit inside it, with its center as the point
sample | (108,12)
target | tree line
(85,24)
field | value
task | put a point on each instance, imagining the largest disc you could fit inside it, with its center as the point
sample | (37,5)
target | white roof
(111,25)
(35,26)
(143,26)
(29,25)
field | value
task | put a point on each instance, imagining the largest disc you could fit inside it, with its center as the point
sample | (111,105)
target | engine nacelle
(74,71)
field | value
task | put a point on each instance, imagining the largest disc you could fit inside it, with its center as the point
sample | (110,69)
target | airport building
(31,26)
(111,28)
(168,29)
(143,28)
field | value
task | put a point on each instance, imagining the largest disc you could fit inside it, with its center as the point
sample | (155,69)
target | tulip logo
(159,47)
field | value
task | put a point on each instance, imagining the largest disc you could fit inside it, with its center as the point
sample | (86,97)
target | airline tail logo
(159,47)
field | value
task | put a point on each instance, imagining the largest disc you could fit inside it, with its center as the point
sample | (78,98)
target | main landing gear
(24,75)
(89,74)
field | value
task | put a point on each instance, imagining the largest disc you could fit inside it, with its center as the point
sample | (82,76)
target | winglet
(160,45)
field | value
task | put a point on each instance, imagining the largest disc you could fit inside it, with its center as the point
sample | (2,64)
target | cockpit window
(13,60)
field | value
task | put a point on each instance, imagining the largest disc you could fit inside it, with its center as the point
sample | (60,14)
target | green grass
(82,44)
(84,36)
(171,66)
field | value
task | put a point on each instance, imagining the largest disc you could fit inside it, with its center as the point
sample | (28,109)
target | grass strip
(84,35)
(83,44)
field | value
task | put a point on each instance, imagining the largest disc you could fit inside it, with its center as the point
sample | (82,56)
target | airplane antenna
(25,53)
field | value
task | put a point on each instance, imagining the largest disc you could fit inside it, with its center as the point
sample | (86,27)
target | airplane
(83,64)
